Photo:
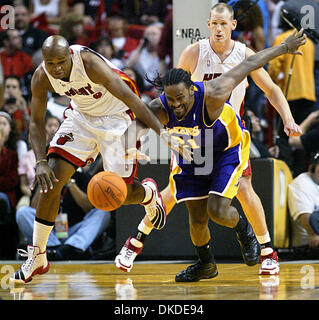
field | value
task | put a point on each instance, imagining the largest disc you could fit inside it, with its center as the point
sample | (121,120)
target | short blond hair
(221,7)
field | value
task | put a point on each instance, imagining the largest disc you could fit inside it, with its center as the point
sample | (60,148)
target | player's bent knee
(215,214)
(217,211)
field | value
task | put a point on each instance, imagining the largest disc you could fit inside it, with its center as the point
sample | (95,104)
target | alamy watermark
(7,17)
(7,270)
(199,141)
(308,17)
(308,280)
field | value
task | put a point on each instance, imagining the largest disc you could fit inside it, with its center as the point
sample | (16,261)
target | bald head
(56,55)
(55,45)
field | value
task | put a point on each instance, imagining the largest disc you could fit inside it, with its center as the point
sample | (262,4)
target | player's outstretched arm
(99,72)
(40,86)
(220,89)
(159,111)
(38,109)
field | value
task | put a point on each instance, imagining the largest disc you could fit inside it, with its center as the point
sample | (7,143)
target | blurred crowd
(136,36)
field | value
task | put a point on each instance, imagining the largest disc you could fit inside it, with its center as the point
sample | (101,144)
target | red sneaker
(125,259)
(269,264)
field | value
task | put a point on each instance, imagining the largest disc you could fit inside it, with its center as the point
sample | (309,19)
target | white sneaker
(37,263)
(269,264)
(155,208)
(125,259)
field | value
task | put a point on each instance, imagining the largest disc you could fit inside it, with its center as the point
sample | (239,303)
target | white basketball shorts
(82,137)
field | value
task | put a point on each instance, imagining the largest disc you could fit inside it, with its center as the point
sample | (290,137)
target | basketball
(107,191)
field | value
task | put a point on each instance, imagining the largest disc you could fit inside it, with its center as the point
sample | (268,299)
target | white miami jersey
(86,96)
(210,66)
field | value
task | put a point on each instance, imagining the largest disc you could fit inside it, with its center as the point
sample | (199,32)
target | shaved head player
(104,103)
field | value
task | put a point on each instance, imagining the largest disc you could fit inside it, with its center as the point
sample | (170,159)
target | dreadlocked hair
(172,76)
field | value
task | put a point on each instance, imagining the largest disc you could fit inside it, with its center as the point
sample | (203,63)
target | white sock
(264,238)
(144,228)
(148,193)
(266,251)
(41,234)
(136,243)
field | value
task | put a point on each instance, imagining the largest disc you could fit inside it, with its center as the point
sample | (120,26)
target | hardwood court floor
(155,281)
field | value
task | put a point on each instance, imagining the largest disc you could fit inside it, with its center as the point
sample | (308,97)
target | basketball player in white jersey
(208,59)
(100,112)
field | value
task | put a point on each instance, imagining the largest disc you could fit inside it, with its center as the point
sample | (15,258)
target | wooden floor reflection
(150,281)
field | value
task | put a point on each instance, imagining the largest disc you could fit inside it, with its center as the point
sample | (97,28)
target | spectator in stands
(8,175)
(57,104)
(246,7)
(276,20)
(52,125)
(53,9)
(303,202)
(122,43)
(257,148)
(144,59)
(87,9)
(250,31)
(37,58)
(14,60)
(12,135)
(296,7)
(250,25)
(300,92)
(143,12)
(72,29)
(1,84)
(309,140)
(85,222)
(134,75)
(11,107)
(26,176)
(12,88)
(32,38)
(165,47)
(15,104)
(26,168)
(105,47)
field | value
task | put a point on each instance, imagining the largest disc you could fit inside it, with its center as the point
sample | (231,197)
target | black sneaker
(196,272)
(249,246)
(66,252)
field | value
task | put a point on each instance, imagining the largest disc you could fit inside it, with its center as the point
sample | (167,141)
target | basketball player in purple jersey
(207,59)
